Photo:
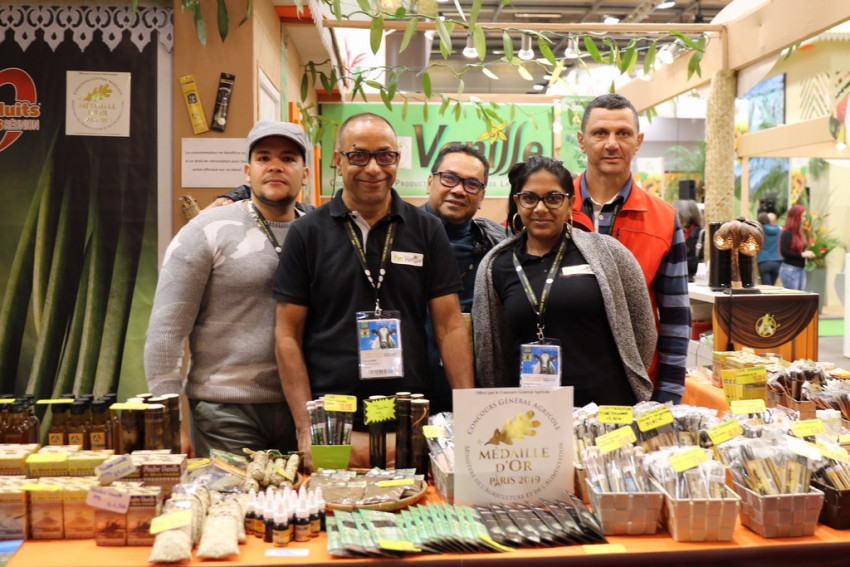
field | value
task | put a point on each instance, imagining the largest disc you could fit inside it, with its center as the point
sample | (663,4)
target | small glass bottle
(250,512)
(268,515)
(281,533)
(15,432)
(154,427)
(58,432)
(315,521)
(98,432)
(302,522)
(78,432)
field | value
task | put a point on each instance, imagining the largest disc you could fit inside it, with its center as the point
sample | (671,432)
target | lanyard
(361,255)
(540,307)
(588,210)
(264,226)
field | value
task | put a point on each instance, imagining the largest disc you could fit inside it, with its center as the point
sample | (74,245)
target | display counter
(826,547)
(776,320)
(700,392)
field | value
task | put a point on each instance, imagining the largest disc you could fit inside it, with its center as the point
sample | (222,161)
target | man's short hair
(610,101)
(361,116)
(462,149)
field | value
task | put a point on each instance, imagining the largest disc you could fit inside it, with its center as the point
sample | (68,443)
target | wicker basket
(786,515)
(626,513)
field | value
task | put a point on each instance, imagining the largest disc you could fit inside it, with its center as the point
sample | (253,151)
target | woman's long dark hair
(519,174)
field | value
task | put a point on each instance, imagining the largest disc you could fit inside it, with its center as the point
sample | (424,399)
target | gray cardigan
(626,305)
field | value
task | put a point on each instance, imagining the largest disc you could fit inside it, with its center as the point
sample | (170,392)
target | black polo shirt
(319,269)
(575,314)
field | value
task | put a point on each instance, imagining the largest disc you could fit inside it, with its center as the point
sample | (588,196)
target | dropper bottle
(320,504)
(250,512)
(268,514)
(282,534)
(302,519)
(313,508)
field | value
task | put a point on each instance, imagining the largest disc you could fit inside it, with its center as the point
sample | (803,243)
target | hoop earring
(513,223)
(568,225)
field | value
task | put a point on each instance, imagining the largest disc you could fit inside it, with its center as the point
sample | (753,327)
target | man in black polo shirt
(365,257)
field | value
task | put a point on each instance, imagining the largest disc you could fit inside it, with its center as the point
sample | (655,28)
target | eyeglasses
(470,184)
(382,157)
(529,200)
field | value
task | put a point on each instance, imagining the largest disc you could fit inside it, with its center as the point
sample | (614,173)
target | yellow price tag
(844,439)
(395,545)
(741,407)
(335,402)
(808,428)
(128,406)
(616,414)
(832,452)
(396,482)
(434,431)
(171,521)
(493,543)
(41,487)
(55,401)
(725,431)
(616,439)
(47,458)
(753,375)
(603,548)
(653,419)
(687,459)
(802,448)
(376,411)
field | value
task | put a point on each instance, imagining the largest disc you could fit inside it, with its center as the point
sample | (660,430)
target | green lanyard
(264,226)
(539,307)
(361,255)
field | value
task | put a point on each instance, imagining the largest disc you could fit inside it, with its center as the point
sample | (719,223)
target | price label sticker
(395,545)
(725,431)
(687,459)
(803,448)
(653,419)
(808,428)
(434,431)
(171,521)
(376,411)
(55,401)
(616,439)
(109,499)
(41,487)
(47,458)
(347,404)
(833,452)
(753,375)
(396,482)
(115,468)
(128,406)
(603,548)
(291,552)
(744,407)
(7,400)
(624,415)
(844,439)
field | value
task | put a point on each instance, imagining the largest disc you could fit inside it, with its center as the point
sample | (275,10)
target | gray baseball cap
(266,128)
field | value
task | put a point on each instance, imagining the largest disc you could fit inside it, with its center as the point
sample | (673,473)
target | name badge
(582,269)
(407,258)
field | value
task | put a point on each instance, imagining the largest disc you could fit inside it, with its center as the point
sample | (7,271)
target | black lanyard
(588,210)
(264,225)
(539,307)
(361,255)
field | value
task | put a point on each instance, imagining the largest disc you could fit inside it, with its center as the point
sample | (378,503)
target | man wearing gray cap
(215,289)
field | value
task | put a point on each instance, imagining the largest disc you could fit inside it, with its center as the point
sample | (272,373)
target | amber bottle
(78,431)
(58,432)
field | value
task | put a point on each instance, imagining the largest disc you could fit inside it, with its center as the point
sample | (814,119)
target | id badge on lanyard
(380,344)
(540,364)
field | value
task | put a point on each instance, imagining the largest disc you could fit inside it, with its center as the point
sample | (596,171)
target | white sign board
(213,162)
(513,444)
(97,103)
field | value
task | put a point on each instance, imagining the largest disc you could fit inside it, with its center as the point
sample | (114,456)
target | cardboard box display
(53,464)
(83,463)
(145,505)
(46,520)
(13,458)
(444,482)
(60,449)
(13,508)
(110,528)
(79,517)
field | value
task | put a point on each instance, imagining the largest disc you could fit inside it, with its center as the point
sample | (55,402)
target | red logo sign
(23,111)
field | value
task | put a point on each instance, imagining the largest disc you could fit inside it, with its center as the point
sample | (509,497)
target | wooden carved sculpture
(740,236)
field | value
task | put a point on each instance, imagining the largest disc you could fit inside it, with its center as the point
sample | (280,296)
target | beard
(283,202)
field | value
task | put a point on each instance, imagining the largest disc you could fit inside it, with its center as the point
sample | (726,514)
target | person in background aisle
(214,289)
(611,202)
(794,245)
(768,258)
(365,258)
(583,291)
(690,217)
(455,192)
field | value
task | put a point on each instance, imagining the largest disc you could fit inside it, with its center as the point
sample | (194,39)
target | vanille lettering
(20,108)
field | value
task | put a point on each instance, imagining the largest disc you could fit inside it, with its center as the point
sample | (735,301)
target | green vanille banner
(526,132)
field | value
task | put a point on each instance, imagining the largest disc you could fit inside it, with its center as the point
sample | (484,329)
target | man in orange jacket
(611,202)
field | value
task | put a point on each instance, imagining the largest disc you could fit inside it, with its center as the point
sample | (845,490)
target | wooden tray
(393,506)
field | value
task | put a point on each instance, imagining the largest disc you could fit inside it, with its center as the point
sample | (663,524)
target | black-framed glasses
(362,157)
(529,199)
(470,184)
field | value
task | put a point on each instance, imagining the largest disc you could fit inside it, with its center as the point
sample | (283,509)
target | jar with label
(78,431)
(99,433)
(155,427)
(58,432)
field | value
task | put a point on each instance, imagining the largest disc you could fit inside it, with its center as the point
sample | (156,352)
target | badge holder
(540,364)
(379,344)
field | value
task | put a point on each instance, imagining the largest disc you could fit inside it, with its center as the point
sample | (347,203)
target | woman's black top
(790,257)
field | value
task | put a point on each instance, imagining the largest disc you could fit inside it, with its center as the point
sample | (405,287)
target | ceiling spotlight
(470,51)
(572,51)
(665,54)
(840,146)
(665,4)
(611,20)
(547,77)
(538,86)
(526,53)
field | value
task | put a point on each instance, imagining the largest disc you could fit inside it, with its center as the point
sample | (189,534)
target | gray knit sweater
(626,305)
(215,287)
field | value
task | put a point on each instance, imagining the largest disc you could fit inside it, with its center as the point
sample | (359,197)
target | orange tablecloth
(699,392)
(825,547)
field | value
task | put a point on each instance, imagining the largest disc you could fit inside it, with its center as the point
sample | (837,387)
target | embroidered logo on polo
(766,325)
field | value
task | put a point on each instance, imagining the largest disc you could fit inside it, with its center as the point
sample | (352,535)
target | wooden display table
(777,320)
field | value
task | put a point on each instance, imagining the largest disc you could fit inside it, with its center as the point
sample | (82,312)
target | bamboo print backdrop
(77,233)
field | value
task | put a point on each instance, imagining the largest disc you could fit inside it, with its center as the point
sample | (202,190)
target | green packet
(384,529)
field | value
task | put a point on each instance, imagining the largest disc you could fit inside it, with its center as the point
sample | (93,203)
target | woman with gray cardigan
(555,300)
